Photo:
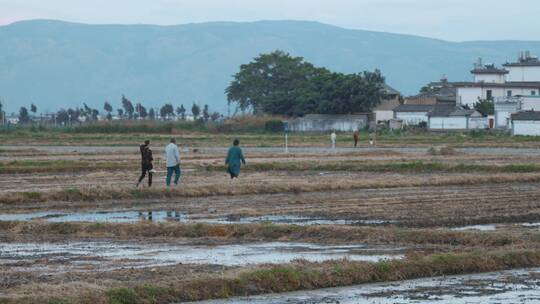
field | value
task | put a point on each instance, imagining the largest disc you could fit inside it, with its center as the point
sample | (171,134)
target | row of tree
(167,111)
(278,83)
(126,112)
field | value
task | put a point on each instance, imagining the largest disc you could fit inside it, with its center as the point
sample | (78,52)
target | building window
(509,93)
(533,93)
(489,95)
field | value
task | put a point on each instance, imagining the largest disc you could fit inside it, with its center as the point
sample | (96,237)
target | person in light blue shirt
(172,157)
(233,160)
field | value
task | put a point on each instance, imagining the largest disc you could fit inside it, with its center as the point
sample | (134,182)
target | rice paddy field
(423,218)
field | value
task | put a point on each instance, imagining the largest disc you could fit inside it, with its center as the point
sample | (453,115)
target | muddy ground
(59,265)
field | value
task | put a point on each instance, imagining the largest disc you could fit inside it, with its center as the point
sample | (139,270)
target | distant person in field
(146,163)
(234,160)
(356,137)
(333,137)
(172,157)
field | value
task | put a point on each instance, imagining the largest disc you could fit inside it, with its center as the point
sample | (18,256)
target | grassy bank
(272,232)
(105,193)
(398,167)
(252,131)
(302,275)
(59,166)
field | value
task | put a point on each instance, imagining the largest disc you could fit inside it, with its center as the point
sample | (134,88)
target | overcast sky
(455,20)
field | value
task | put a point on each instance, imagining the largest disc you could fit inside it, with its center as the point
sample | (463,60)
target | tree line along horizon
(126,111)
(274,83)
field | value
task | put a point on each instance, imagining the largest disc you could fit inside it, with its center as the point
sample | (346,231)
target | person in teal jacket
(234,157)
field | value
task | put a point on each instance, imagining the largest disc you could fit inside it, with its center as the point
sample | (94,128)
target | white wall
(523,73)
(478,123)
(383,115)
(448,123)
(502,119)
(526,127)
(490,78)
(342,125)
(502,113)
(412,118)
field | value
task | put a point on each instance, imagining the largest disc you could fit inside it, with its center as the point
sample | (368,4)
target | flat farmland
(75,229)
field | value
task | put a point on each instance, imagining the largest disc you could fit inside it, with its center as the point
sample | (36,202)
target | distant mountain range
(58,64)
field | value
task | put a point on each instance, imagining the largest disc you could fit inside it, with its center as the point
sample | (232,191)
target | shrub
(122,296)
(274,126)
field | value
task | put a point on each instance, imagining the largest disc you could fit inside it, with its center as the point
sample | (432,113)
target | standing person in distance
(356,137)
(172,157)
(234,160)
(333,137)
(146,163)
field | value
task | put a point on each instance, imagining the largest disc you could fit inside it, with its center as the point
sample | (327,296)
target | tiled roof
(526,115)
(387,105)
(530,61)
(489,70)
(413,108)
(450,110)
(389,90)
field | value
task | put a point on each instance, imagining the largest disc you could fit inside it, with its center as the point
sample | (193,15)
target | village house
(412,114)
(442,92)
(504,107)
(526,123)
(489,82)
(451,117)
(385,110)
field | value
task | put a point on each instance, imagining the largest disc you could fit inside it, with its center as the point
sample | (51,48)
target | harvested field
(74,229)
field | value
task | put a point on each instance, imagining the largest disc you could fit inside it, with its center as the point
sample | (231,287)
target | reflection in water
(170,215)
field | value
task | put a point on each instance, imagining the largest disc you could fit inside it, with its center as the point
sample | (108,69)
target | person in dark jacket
(234,159)
(146,163)
(356,136)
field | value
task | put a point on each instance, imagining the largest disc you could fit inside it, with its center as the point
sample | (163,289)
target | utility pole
(286,129)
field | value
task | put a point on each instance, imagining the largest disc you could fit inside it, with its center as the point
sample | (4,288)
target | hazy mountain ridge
(57,64)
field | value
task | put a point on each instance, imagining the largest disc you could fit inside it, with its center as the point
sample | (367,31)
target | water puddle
(105,216)
(490,227)
(296,220)
(531,225)
(162,216)
(493,227)
(506,287)
(112,255)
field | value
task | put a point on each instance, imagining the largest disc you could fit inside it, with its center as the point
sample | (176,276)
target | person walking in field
(234,160)
(146,163)
(333,137)
(172,157)
(356,137)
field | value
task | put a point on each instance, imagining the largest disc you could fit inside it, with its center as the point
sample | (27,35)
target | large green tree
(272,83)
(278,83)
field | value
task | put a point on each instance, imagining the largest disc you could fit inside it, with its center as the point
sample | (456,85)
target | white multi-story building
(526,69)
(521,78)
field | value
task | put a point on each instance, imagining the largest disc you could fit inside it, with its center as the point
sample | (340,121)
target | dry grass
(106,193)
(270,232)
